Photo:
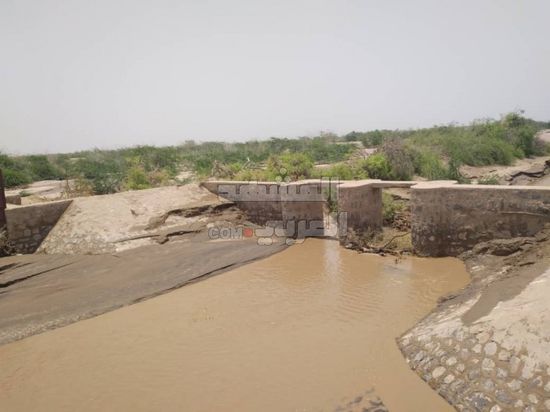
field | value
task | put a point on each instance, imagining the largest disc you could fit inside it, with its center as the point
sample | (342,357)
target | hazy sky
(83,74)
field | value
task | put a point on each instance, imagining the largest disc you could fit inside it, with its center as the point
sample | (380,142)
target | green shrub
(482,143)
(483,151)
(251,175)
(399,158)
(372,138)
(14,171)
(136,179)
(106,183)
(201,157)
(221,170)
(434,153)
(520,132)
(158,178)
(389,208)
(342,171)
(42,169)
(430,166)
(377,166)
(14,178)
(289,167)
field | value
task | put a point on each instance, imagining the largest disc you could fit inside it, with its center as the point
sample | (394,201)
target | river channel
(306,329)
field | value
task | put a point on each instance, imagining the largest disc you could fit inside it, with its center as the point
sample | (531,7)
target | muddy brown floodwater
(302,330)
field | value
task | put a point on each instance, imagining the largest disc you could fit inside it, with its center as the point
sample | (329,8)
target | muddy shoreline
(44,292)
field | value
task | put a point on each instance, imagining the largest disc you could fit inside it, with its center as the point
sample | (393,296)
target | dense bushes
(14,171)
(377,167)
(108,171)
(289,167)
(433,153)
(202,157)
(41,168)
(483,142)
(342,171)
(19,171)
(13,178)
(429,165)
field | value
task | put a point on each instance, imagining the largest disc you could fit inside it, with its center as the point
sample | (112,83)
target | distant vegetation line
(433,153)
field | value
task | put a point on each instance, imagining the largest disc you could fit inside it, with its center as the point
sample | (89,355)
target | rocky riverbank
(487,348)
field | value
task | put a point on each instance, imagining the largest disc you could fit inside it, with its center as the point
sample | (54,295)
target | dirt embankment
(487,348)
(122,221)
(42,191)
(529,171)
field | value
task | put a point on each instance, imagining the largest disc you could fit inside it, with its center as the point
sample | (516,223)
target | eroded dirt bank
(488,348)
(528,171)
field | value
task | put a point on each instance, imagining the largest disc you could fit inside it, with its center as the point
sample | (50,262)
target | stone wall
(363,204)
(450,219)
(13,199)
(304,200)
(266,202)
(261,212)
(447,218)
(28,226)
(260,201)
(359,203)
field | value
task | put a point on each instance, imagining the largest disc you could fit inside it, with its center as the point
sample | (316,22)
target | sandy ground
(41,191)
(544,135)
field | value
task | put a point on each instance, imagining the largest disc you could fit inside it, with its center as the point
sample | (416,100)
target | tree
(399,158)
(377,166)
(289,167)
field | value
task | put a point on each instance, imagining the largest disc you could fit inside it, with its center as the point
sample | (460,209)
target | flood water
(302,330)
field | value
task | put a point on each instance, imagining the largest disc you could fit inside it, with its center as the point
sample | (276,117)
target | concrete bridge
(447,218)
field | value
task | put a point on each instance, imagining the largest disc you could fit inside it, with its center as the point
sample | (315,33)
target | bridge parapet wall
(29,225)
(309,200)
(449,219)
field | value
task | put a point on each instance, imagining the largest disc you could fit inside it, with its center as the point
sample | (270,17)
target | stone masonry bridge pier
(356,205)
